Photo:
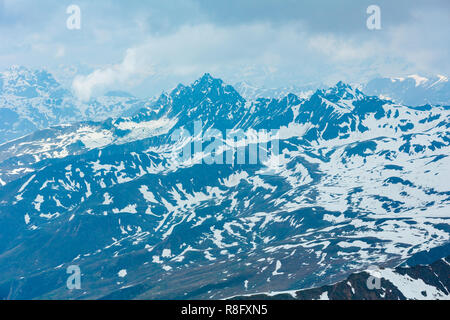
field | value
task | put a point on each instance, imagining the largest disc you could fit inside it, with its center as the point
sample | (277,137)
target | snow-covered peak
(23,82)
(421,81)
(341,91)
(206,79)
(207,83)
(205,87)
(412,90)
(418,79)
(440,79)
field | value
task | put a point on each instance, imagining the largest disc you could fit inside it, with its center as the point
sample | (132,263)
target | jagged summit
(340,91)
(205,87)
(208,77)
(207,81)
(343,85)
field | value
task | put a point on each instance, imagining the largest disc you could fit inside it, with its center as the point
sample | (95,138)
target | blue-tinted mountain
(33,99)
(360,181)
(413,90)
(252,92)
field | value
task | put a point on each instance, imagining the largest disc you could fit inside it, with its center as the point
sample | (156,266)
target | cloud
(193,50)
(262,52)
(129,70)
(313,43)
(423,44)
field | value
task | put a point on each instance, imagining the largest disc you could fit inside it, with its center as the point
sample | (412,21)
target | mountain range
(252,92)
(32,99)
(360,180)
(413,90)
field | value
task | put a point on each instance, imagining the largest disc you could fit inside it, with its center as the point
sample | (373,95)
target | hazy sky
(146,46)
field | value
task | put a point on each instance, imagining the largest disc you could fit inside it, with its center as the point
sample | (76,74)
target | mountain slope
(421,282)
(33,99)
(358,181)
(413,90)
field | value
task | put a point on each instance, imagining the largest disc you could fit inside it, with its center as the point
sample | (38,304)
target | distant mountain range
(360,180)
(413,90)
(251,92)
(32,99)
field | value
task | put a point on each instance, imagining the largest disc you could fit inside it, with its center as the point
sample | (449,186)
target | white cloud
(262,50)
(193,50)
(264,43)
(60,51)
(129,70)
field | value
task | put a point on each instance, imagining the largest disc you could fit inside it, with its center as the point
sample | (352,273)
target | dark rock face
(421,282)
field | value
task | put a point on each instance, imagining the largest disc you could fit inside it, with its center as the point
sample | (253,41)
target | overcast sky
(147,46)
